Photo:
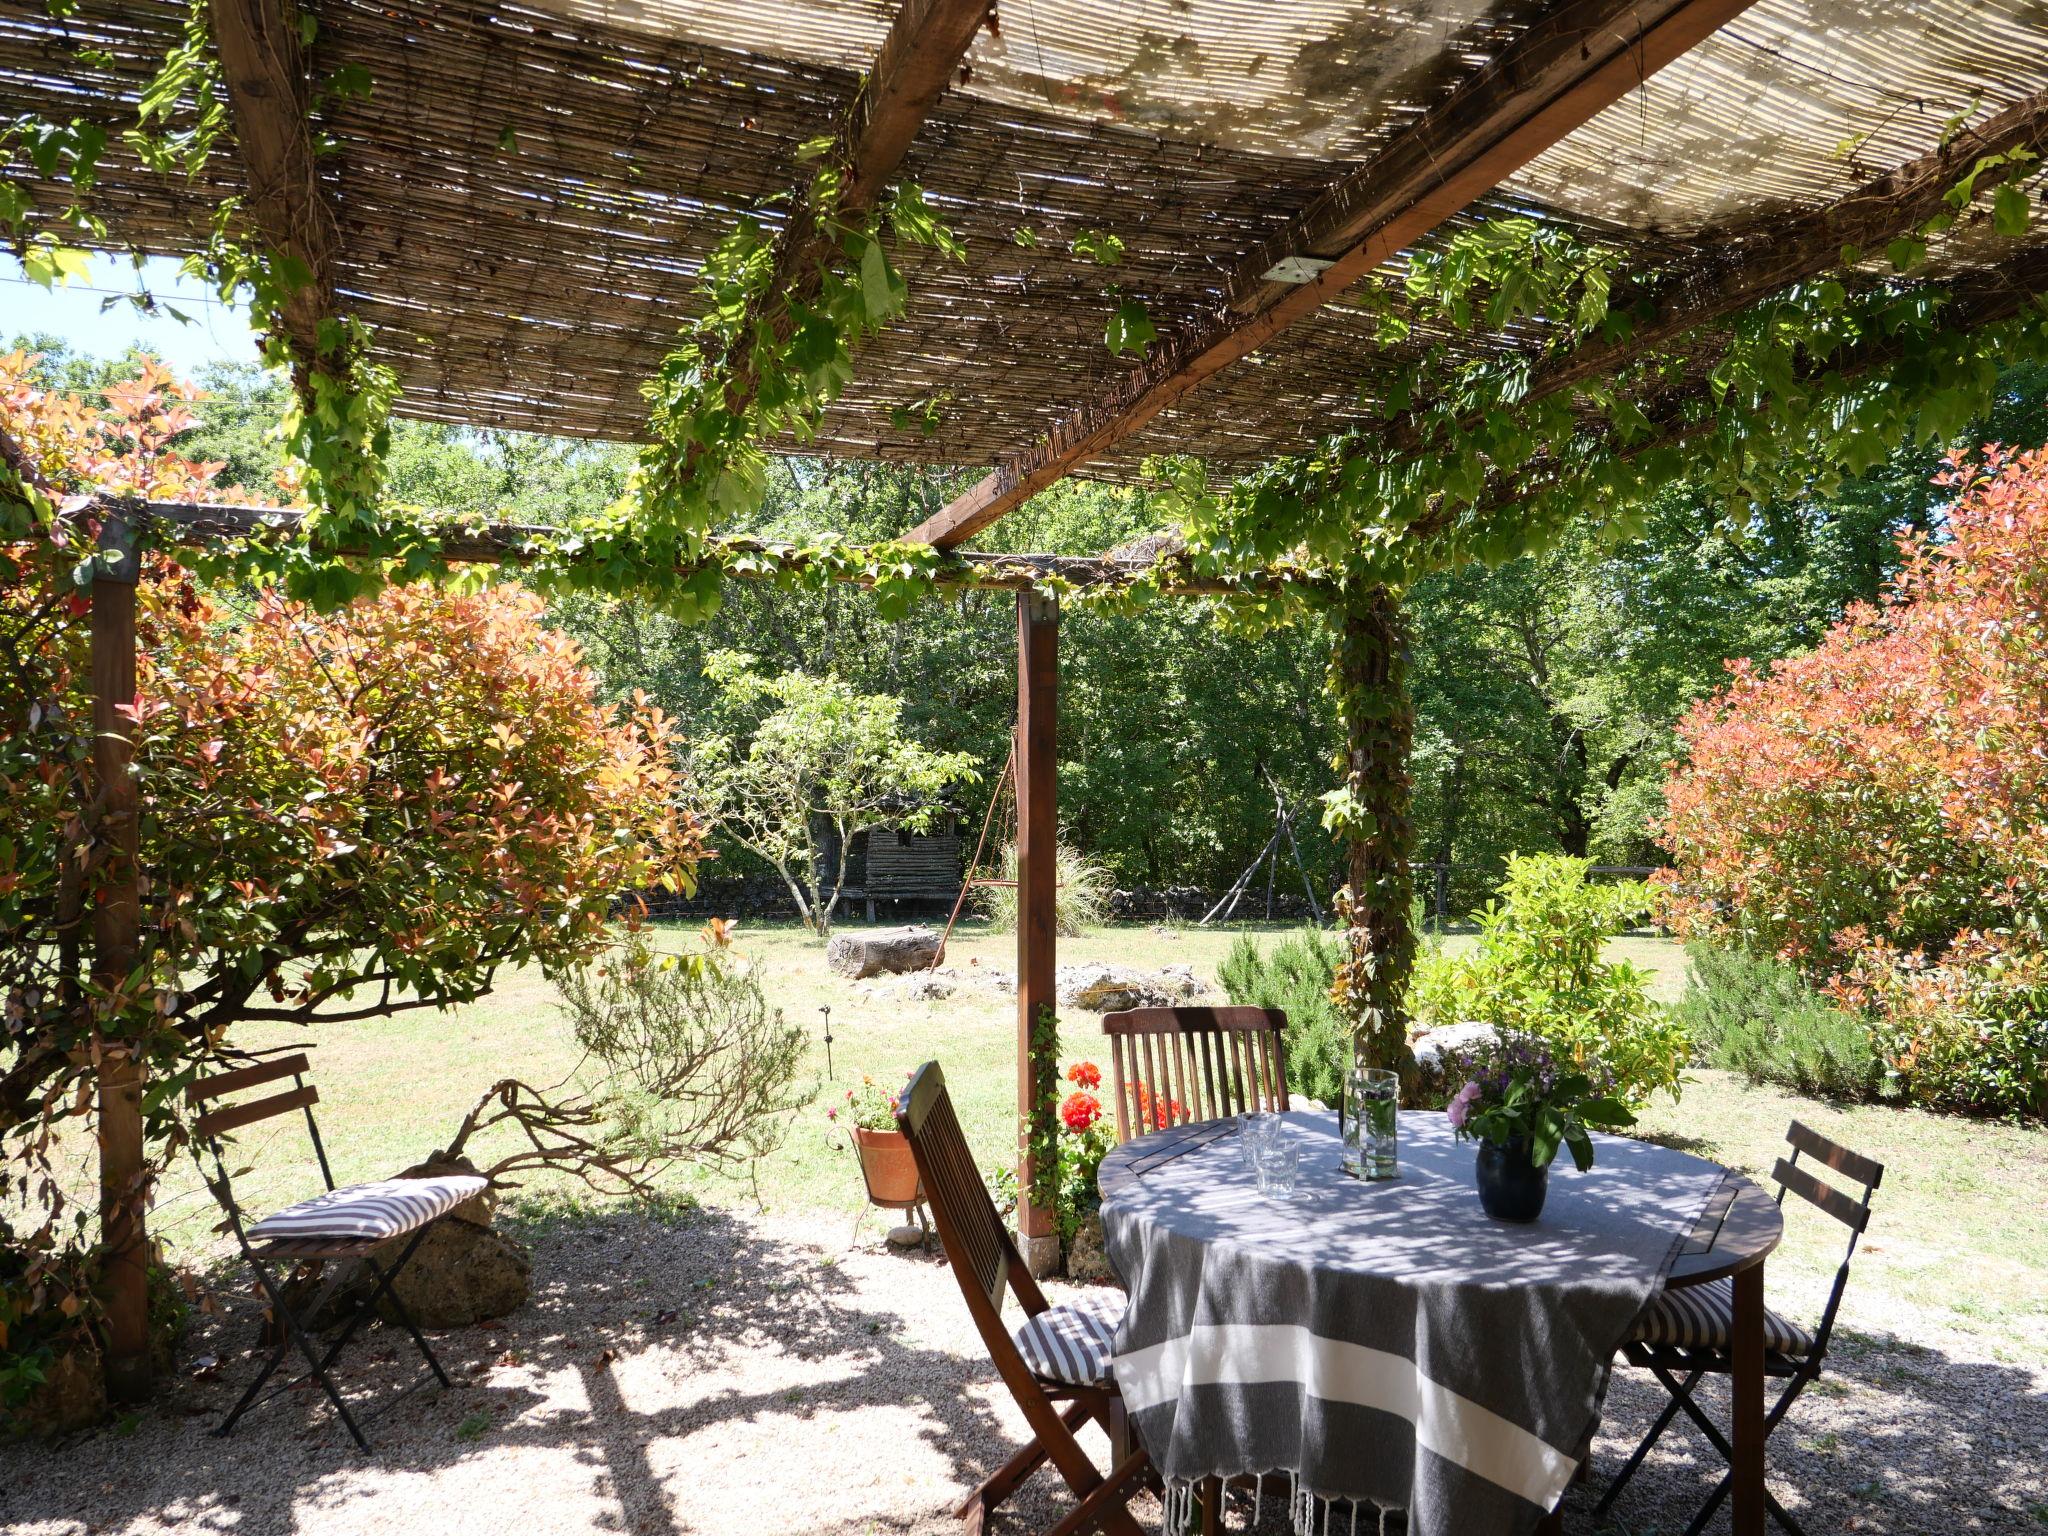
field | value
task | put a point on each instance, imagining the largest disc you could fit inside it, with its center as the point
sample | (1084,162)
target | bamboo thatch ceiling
(524,198)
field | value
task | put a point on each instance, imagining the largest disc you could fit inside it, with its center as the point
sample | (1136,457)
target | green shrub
(1081,901)
(1538,970)
(1752,1014)
(1295,976)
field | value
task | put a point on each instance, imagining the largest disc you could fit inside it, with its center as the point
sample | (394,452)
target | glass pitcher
(1372,1124)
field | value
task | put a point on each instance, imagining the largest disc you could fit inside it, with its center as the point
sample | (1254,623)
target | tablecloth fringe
(1177,1511)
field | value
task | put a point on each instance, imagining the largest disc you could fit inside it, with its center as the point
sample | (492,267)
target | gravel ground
(731,1374)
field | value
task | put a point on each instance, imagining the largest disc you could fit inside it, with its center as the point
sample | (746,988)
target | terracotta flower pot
(886,1163)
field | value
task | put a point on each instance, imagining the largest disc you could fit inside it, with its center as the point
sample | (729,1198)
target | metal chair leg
(294,1334)
(387,1287)
(1635,1460)
(321,1363)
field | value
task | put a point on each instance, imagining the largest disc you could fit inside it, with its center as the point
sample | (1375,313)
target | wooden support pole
(1746,1387)
(269,87)
(1038,635)
(117,928)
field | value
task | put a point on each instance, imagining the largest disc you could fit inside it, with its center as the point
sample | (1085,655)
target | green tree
(823,763)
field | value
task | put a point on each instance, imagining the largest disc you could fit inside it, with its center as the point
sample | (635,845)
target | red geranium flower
(1080,1111)
(1086,1073)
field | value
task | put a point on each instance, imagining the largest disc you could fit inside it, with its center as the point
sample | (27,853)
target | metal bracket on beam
(1295,269)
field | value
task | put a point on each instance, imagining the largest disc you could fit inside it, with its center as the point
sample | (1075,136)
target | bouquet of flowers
(1517,1099)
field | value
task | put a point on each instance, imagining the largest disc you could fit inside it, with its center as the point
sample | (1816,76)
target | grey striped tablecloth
(1387,1344)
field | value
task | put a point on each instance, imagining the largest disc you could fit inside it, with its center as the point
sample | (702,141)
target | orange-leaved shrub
(341,815)
(1876,812)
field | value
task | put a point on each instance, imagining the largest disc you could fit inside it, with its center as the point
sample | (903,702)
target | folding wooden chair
(1169,1066)
(339,1228)
(1684,1335)
(1060,1355)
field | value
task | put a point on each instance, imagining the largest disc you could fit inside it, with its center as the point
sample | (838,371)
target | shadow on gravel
(1894,1437)
(596,1407)
(700,1284)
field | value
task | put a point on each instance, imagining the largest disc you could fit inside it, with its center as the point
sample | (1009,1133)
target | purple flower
(1460,1107)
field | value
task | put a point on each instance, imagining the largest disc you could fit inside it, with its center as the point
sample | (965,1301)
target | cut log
(882,951)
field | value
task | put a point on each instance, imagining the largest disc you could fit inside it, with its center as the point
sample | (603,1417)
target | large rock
(464,1270)
(1439,1059)
(1101,988)
(71,1396)
(882,950)
(1085,1259)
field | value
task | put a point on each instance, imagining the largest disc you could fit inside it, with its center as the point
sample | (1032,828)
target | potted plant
(885,1160)
(1520,1109)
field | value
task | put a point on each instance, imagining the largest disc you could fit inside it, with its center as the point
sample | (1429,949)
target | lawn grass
(1959,1244)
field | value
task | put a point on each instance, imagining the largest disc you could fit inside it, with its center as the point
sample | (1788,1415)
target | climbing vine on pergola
(1481,371)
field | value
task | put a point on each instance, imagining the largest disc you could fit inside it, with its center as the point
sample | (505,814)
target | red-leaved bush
(1878,808)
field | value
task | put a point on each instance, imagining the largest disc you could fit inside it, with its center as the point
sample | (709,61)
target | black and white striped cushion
(1073,1343)
(1703,1317)
(380,1210)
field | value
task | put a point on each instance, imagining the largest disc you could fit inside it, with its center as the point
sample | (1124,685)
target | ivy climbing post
(117,929)
(1373,816)
(1038,631)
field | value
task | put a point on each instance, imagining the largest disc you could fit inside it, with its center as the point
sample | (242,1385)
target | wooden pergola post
(117,927)
(1038,632)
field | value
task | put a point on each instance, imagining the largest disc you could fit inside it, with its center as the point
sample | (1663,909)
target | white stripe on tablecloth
(1453,1427)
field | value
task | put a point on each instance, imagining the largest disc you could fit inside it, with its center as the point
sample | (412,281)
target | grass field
(1960,1242)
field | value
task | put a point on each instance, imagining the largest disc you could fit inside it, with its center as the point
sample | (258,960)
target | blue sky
(216,333)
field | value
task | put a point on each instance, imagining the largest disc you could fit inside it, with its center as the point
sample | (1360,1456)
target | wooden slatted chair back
(1169,1066)
(1851,1210)
(211,1124)
(977,1244)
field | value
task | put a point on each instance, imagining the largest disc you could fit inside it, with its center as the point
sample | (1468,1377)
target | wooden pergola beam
(1769,257)
(264,66)
(924,46)
(200,523)
(1582,58)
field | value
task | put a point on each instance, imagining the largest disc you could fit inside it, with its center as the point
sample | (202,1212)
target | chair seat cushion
(1072,1343)
(384,1209)
(1703,1317)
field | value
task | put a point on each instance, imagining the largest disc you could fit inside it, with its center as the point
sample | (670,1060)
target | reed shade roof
(525,197)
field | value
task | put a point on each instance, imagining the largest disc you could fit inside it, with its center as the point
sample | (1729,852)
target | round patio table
(1210,1264)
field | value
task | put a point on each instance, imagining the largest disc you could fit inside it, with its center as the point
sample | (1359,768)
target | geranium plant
(869,1107)
(1517,1097)
(1084,1142)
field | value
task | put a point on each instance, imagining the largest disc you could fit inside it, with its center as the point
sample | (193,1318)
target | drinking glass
(1279,1167)
(1254,1126)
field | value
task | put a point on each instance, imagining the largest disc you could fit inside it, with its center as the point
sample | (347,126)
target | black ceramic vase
(1510,1186)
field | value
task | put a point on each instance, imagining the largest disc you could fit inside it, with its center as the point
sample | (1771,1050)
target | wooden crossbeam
(200,523)
(1582,58)
(1771,256)
(924,46)
(263,64)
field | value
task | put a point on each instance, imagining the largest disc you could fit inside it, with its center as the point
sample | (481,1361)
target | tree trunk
(1447,831)
(1370,677)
